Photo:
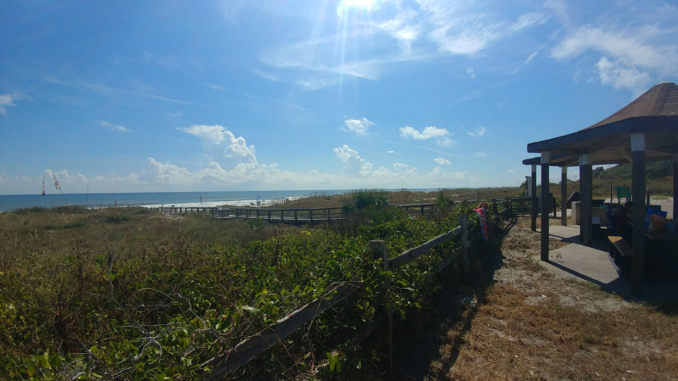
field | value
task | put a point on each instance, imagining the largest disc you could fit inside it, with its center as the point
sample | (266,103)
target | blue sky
(265,95)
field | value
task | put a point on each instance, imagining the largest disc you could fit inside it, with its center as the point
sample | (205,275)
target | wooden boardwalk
(286,215)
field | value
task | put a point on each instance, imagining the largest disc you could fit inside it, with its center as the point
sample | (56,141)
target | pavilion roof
(654,113)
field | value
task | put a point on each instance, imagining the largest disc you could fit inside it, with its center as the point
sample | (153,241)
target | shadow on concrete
(593,264)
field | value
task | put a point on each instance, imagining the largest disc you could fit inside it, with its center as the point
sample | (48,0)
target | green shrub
(117,219)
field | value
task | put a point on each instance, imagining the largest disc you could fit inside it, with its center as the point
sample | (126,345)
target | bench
(621,254)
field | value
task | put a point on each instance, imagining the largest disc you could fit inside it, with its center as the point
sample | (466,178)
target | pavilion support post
(545,203)
(675,188)
(638,188)
(534,198)
(586,219)
(563,196)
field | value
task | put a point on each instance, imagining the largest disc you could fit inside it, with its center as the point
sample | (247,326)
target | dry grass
(516,337)
(136,229)
(405,196)
(530,324)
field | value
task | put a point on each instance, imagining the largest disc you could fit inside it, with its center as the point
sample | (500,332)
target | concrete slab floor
(593,264)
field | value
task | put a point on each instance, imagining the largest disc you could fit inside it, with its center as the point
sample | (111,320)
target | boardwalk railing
(382,323)
(510,206)
(283,214)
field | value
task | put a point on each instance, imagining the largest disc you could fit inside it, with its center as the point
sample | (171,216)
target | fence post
(463,221)
(295,215)
(385,330)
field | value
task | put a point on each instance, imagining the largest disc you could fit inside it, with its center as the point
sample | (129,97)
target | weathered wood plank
(446,262)
(415,252)
(250,348)
(378,319)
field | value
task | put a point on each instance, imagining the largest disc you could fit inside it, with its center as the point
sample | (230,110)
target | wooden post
(463,221)
(422,209)
(675,188)
(534,198)
(269,215)
(295,215)
(638,185)
(282,215)
(385,330)
(563,196)
(545,205)
(586,204)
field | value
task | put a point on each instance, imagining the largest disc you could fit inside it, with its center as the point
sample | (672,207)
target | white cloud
(631,56)
(442,161)
(446,142)
(479,154)
(217,137)
(469,71)
(5,100)
(632,46)
(389,151)
(440,134)
(353,160)
(112,126)
(618,75)
(359,126)
(479,132)
(156,175)
(511,170)
(174,114)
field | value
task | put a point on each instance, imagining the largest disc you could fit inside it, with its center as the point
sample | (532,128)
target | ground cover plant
(123,293)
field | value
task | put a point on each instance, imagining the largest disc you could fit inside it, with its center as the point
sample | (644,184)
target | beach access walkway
(286,215)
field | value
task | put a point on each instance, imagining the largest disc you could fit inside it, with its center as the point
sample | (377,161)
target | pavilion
(644,130)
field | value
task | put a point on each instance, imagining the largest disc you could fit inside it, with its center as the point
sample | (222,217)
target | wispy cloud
(390,151)
(479,154)
(390,33)
(478,133)
(262,74)
(174,114)
(5,101)
(111,91)
(112,126)
(630,56)
(359,126)
(442,161)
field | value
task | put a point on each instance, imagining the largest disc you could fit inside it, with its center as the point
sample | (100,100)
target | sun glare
(359,3)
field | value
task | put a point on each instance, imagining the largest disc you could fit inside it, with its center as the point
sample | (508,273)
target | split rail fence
(382,322)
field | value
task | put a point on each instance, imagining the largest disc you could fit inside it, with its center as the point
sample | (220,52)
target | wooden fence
(309,215)
(382,322)
(511,206)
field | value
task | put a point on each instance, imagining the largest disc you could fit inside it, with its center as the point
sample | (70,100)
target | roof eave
(630,125)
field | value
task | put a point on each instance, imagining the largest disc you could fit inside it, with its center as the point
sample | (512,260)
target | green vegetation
(127,294)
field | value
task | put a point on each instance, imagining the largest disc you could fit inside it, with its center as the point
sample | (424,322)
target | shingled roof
(660,100)
(608,141)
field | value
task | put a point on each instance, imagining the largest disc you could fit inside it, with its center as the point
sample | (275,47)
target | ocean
(178,199)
